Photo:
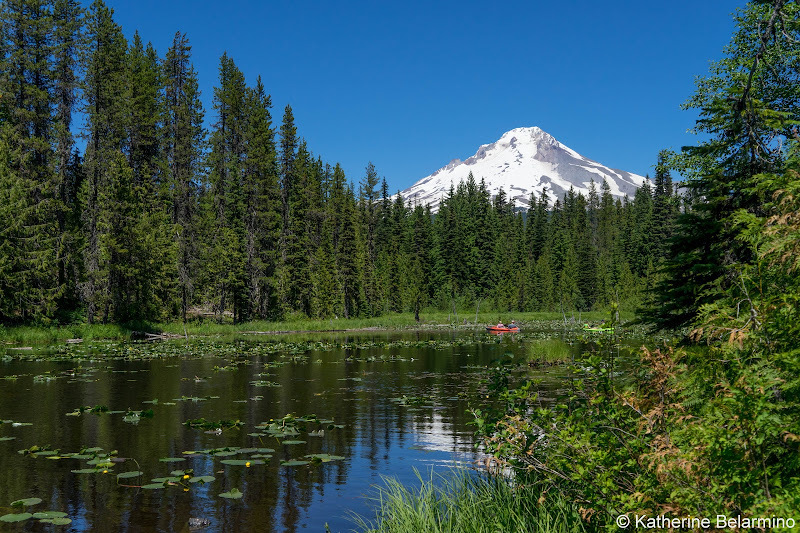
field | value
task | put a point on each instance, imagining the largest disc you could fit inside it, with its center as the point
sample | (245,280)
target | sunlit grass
(465,502)
(549,351)
(209,326)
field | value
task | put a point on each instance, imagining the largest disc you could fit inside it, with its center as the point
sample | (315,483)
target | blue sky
(411,85)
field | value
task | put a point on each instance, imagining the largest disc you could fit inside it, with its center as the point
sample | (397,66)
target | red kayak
(504,329)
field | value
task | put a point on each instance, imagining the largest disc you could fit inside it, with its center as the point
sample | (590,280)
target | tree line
(157,218)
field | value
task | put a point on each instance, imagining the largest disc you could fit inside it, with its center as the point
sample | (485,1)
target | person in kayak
(513,324)
(500,325)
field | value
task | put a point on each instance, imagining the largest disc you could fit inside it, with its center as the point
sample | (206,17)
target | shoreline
(14,336)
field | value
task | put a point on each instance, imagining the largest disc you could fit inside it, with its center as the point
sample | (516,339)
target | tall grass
(548,351)
(209,326)
(465,502)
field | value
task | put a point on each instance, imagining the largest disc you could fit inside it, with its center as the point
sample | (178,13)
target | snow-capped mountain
(522,161)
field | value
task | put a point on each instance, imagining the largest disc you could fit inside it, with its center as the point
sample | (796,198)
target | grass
(431,319)
(548,351)
(465,502)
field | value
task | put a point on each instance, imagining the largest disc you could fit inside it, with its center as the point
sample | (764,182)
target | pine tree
(226,258)
(144,118)
(348,248)
(288,154)
(370,215)
(750,99)
(641,250)
(67,48)
(105,116)
(27,86)
(304,221)
(12,194)
(262,198)
(543,285)
(183,144)
(664,208)
(420,261)
(540,222)
(152,286)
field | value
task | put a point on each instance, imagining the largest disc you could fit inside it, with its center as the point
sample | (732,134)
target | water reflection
(358,388)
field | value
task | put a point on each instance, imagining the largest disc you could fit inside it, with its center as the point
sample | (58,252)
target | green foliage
(688,435)
(464,502)
(749,106)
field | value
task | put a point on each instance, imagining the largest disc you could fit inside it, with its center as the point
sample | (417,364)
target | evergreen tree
(664,208)
(370,215)
(640,249)
(225,260)
(67,48)
(12,194)
(750,99)
(183,144)
(27,85)
(347,248)
(420,263)
(106,138)
(288,153)
(304,226)
(262,198)
(540,234)
(543,284)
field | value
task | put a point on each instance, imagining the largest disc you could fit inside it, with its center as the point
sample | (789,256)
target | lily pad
(202,479)
(172,459)
(226,453)
(162,480)
(324,457)
(60,521)
(7,438)
(242,462)
(49,514)
(126,475)
(294,463)
(86,471)
(100,463)
(153,486)
(15,517)
(293,442)
(233,494)
(26,502)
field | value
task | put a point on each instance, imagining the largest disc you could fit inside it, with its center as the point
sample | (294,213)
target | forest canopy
(142,214)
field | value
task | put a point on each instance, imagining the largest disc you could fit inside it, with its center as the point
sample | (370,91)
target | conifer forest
(119,205)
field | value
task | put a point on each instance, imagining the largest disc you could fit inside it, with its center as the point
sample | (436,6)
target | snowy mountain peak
(522,161)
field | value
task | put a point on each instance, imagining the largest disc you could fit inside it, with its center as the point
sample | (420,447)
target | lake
(360,406)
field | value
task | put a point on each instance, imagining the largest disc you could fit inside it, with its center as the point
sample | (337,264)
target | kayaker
(500,325)
(513,324)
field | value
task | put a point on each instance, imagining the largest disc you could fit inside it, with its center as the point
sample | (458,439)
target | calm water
(253,381)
